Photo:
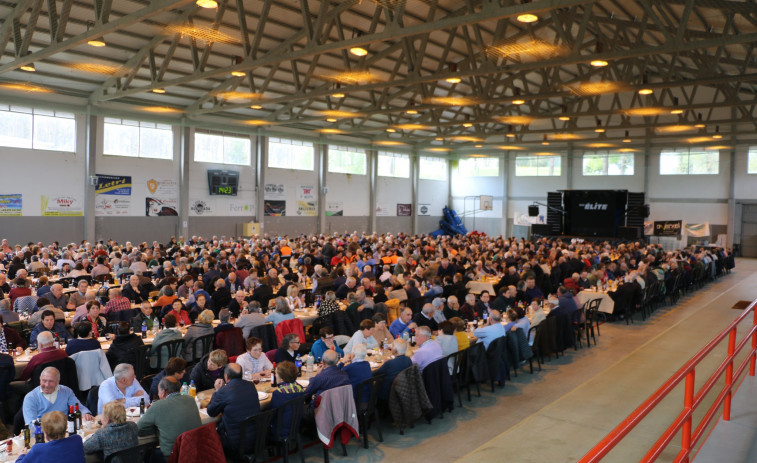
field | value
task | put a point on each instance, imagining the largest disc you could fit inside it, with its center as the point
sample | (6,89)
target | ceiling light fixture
(390,130)
(439,138)
(545,140)
(564,116)
(599,128)
(236,60)
(29,67)
(518,100)
(207,3)
(331,119)
(159,90)
(479,146)
(627,139)
(467,122)
(358,50)
(599,63)
(411,108)
(97,42)
(700,122)
(338,93)
(256,106)
(676,110)
(510,133)
(453,79)
(717,135)
(645,90)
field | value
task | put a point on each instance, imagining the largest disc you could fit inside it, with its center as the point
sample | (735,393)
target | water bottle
(311,360)
(406,336)
(144,329)
(184,389)
(39,437)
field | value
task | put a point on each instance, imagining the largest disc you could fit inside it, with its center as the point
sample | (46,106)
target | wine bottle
(78,414)
(273,375)
(71,421)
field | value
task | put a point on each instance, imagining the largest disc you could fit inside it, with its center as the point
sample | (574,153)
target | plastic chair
(294,408)
(206,345)
(260,423)
(458,374)
(140,453)
(141,360)
(366,408)
(172,348)
(290,326)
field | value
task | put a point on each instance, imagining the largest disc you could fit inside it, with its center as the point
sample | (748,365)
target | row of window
(22,127)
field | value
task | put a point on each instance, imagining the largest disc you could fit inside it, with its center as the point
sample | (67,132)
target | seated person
(57,447)
(281,313)
(462,337)
(145,316)
(326,342)
(254,362)
(170,416)
(99,326)
(169,333)
(177,309)
(235,399)
(203,326)
(328,376)
(514,322)
(48,324)
(122,386)
(176,368)
(120,350)
(426,317)
(428,351)
(288,389)
(404,324)
(362,336)
(47,353)
(49,396)
(84,340)
(492,330)
(287,351)
(115,434)
(392,367)
(358,370)
(223,321)
(209,370)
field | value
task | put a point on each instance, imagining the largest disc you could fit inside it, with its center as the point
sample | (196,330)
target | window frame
(394,173)
(224,138)
(347,149)
(607,155)
(536,159)
(688,153)
(36,114)
(433,159)
(751,153)
(147,125)
(291,164)
(477,170)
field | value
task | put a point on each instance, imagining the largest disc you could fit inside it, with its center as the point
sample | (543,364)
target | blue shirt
(319,347)
(397,328)
(429,352)
(109,392)
(328,378)
(489,333)
(36,404)
(66,450)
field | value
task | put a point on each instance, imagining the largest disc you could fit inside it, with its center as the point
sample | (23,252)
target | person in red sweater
(47,353)
(20,289)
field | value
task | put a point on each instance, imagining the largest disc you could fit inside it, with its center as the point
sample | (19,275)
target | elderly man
(123,387)
(428,350)
(57,298)
(238,304)
(362,336)
(235,400)
(134,291)
(47,353)
(145,316)
(80,296)
(48,324)
(328,377)
(403,324)
(50,396)
(347,288)
(221,296)
(391,368)
(492,330)
(426,317)
(170,416)
(117,302)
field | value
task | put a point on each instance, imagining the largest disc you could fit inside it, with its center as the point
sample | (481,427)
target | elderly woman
(293,299)
(57,446)
(462,338)
(288,389)
(116,433)
(177,309)
(281,313)
(329,305)
(202,327)
(254,361)
(325,343)
(381,332)
(209,370)
(357,369)
(287,351)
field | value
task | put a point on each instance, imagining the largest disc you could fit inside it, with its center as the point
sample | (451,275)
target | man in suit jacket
(236,399)
(391,368)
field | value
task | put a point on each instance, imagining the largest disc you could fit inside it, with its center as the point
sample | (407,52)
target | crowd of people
(263,280)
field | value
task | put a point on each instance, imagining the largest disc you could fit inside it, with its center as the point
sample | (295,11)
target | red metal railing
(691,400)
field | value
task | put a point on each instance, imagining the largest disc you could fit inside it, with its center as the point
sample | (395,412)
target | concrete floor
(558,414)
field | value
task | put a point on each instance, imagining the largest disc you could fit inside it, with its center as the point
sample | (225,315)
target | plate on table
(303,382)
(263,395)
(374,364)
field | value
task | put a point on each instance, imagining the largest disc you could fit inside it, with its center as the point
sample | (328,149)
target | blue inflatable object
(451,224)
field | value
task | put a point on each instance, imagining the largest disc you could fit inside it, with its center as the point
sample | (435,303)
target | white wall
(391,191)
(352,191)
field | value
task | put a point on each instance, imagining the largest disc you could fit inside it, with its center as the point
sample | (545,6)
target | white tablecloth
(478,287)
(607,305)
(400,294)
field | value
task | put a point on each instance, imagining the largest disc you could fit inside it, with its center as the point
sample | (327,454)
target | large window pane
(752,161)
(15,129)
(538,166)
(687,162)
(479,167)
(290,154)
(222,149)
(608,164)
(393,165)
(347,161)
(155,143)
(137,139)
(432,168)
(121,140)
(237,151)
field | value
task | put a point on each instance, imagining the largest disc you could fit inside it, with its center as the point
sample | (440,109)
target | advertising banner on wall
(199,208)
(404,210)
(306,193)
(112,205)
(113,195)
(382,210)
(157,207)
(307,208)
(10,205)
(522,218)
(668,227)
(424,209)
(698,229)
(61,206)
(241,208)
(274,191)
(334,208)
(274,208)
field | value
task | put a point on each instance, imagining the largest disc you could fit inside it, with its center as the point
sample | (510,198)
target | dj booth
(593,213)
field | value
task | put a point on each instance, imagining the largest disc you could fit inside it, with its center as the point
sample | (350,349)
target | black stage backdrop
(594,212)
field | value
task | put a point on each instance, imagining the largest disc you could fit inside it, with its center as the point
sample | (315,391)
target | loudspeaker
(533,211)
(630,233)
(540,229)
